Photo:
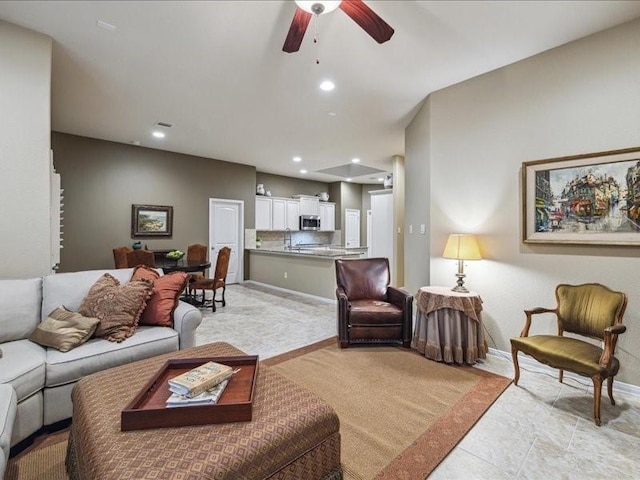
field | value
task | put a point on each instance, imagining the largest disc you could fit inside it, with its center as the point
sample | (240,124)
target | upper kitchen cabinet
(309,205)
(263,213)
(327,216)
(277,213)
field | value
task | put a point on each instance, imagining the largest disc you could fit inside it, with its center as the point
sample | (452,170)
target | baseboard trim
(537,367)
(295,292)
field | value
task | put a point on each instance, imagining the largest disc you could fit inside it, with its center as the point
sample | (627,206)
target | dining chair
(120,256)
(196,253)
(217,281)
(141,257)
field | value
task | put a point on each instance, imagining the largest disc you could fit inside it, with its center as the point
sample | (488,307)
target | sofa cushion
(164,297)
(23,366)
(64,330)
(69,289)
(19,308)
(98,354)
(117,306)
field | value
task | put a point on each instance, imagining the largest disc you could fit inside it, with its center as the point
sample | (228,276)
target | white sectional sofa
(42,378)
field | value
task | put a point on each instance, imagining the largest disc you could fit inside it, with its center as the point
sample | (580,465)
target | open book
(199,379)
(208,397)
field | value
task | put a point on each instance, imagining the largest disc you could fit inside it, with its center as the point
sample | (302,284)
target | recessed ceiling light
(348,179)
(303,171)
(158,134)
(381,179)
(105,26)
(356,160)
(297,159)
(332,114)
(327,85)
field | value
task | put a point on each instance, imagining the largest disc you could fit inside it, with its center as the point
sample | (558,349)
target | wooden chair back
(141,257)
(120,256)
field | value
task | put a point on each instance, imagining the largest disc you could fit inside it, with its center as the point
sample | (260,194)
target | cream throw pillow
(64,330)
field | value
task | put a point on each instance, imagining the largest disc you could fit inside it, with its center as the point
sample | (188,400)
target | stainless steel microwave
(309,222)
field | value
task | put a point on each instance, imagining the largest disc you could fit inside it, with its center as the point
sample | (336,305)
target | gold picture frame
(590,199)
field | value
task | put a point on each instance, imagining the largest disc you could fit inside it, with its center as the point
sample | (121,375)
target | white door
(226,221)
(352,228)
(368,232)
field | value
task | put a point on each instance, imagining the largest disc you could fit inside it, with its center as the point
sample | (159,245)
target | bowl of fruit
(175,255)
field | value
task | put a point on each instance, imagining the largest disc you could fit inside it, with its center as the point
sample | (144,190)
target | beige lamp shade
(462,246)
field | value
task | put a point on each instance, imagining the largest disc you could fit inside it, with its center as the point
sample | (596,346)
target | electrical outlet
(285,274)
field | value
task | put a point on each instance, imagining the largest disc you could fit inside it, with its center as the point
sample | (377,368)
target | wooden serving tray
(148,409)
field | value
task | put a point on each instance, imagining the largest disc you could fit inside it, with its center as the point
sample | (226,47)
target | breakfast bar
(306,270)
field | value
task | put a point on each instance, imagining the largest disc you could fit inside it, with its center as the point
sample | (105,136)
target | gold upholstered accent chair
(589,310)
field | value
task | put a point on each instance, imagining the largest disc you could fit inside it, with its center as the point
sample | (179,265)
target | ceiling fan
(356,9)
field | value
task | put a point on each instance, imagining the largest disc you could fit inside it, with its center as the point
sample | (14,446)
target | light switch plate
(423,229)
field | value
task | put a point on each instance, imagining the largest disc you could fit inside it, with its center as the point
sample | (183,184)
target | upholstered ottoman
(293,433)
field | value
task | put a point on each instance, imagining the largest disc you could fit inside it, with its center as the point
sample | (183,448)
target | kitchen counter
(308,270)
(332,252)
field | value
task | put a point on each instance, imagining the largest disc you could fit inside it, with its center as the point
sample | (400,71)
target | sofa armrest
(186,319)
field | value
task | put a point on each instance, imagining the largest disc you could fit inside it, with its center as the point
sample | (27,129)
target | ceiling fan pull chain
(316,36)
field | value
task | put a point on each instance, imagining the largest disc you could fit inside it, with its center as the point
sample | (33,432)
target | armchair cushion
(374,312)
(565,353)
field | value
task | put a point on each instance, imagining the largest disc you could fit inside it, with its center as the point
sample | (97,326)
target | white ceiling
(216,71)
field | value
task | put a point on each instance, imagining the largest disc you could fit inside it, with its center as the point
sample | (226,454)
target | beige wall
(101,181)
(25,99)
(281,186)
(463,158)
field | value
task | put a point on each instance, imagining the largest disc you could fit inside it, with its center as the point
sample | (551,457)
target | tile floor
(541,429)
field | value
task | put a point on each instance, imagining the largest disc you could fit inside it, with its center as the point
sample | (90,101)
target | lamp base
(460,286)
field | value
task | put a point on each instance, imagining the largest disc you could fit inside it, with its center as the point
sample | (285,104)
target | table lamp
(461,247)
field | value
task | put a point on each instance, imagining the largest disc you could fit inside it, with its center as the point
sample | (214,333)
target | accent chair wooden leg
(224,304)
(561,375)
(213,300)
(514,354)
(610,390)
(597,392)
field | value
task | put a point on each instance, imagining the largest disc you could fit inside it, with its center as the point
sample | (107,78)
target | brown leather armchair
(591,310)
(369,310)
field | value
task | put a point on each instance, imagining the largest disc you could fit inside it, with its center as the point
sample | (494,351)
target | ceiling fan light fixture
(318,7)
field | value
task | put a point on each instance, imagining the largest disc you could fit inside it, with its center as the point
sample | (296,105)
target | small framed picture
(151,221)
(591,199)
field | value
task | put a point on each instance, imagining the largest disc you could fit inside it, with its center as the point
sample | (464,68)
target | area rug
(400,414)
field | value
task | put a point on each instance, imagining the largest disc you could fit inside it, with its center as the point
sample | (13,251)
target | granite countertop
(330,251)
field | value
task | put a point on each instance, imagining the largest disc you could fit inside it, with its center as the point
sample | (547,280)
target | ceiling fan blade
(297,29)
(367,19)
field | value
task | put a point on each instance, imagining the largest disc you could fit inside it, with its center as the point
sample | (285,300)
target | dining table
(169,266)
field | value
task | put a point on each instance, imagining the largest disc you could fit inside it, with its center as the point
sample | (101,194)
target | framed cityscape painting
(584,199)
(151,221)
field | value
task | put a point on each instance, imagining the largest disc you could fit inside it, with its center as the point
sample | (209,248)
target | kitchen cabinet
(327,216)
(309,205)
(293,215)
(263,213)
(277,214)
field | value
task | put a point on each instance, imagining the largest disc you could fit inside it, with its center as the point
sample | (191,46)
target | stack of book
(202,385)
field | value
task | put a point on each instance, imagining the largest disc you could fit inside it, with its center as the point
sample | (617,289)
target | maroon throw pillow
(164,297)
